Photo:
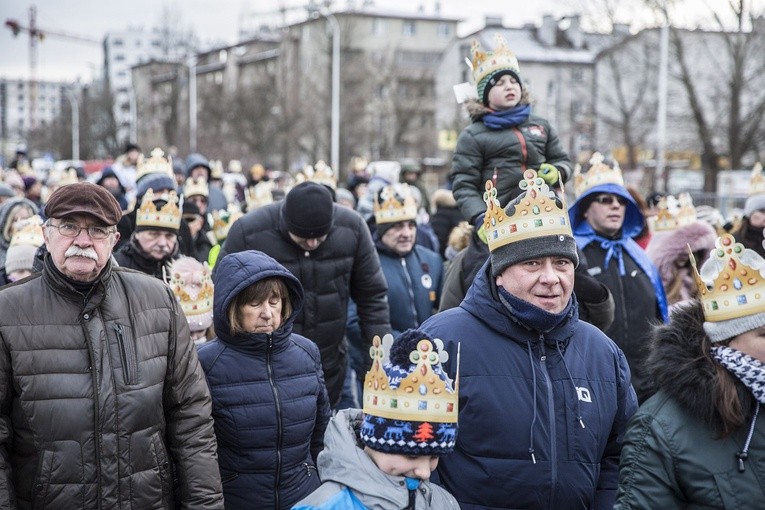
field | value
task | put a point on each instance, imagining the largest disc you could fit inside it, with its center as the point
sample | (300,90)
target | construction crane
(36,35)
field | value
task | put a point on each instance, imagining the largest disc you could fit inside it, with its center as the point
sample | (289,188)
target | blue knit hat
(156,182)
(410,405)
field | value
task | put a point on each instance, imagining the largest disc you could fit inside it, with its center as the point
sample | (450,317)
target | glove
(549,173)
(480,229)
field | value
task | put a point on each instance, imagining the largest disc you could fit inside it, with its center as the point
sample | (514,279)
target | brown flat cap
(84,198)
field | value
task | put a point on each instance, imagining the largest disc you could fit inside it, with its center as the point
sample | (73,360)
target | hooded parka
(352,481)
(270,404)
(673,454)
(102,397)
(482,152)
(345,265)
(541,415)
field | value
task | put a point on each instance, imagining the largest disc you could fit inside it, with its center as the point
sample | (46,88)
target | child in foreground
(382,457)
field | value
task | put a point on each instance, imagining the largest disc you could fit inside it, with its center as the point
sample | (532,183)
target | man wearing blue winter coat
(544,397)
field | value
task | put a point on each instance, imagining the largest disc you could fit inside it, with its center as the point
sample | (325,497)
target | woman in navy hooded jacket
(270,404)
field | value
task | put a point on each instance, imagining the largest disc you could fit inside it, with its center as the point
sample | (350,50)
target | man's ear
(116,239)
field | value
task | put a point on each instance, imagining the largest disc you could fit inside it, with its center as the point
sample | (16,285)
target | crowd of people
(177,335)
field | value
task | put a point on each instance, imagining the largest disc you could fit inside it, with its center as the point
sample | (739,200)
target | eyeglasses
(609,199)
(73,230)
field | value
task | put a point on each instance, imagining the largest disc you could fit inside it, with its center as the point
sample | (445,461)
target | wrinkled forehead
(82,219)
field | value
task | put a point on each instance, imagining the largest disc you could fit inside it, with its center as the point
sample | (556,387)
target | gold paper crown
(737,286)
(223,219)
(216,169)
(394,203)
(196,186)
(420,396)
(673,213)
(537,214)
(599,173)
(156,164)
(68,177)
(757,180)
(321,173)
(485,63)
(259,195)
(168,216)
(193,302)
(28,231)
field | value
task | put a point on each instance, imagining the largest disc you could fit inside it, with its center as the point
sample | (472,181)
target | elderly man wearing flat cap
(103,403)
(329,249)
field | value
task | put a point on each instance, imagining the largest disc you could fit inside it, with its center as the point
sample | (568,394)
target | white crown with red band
(421,396)
(537,214)
(731,284)
(599,173)
(394,203)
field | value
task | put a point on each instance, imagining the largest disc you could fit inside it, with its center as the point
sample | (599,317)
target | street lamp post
(70,94)
(335,124)
(192,63)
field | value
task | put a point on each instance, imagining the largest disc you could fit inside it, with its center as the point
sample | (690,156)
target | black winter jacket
(131,256)
(270,404)
(481,151)
(344,265)
(100,395)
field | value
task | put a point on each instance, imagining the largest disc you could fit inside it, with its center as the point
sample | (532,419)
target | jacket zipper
(275,391)
(97,411)
(127,355)
(410,289)
(524,149)
(551,416)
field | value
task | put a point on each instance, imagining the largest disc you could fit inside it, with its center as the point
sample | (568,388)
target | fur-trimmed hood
(678,366)
(668,247)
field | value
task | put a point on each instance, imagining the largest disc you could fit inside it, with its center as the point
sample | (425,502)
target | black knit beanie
(308,210)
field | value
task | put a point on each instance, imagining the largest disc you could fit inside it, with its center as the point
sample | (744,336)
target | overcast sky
(212,20)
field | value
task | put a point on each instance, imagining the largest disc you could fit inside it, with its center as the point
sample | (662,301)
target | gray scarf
(748,370)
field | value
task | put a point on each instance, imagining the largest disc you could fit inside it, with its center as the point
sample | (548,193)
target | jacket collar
(63,286)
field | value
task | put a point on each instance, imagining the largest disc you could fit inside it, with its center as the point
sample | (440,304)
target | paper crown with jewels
(68,177)
(223,219)
(320,172)
(195,186)
(409,404)
(191,282)
(156,164)
(599,173)
(259,195)
(673,213)
(538,213)
(28,231)
(394,203)
(756,180)
(731,284)
(485,63)
(216,169)
(166,217)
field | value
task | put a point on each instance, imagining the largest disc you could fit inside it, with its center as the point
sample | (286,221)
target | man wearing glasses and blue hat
(604,220)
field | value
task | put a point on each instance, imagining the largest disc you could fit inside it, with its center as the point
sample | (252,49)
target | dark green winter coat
(673,456)
(481,150)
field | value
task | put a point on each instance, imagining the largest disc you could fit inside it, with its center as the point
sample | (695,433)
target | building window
(119,58)
(444,31)
(378,26)
(409,29)
(117,42)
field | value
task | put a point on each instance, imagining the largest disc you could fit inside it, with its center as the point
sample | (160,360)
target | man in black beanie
(329,249)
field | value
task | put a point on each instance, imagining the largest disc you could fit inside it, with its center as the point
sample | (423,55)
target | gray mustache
(76,251)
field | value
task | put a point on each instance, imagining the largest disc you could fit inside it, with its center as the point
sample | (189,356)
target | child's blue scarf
(507,118)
